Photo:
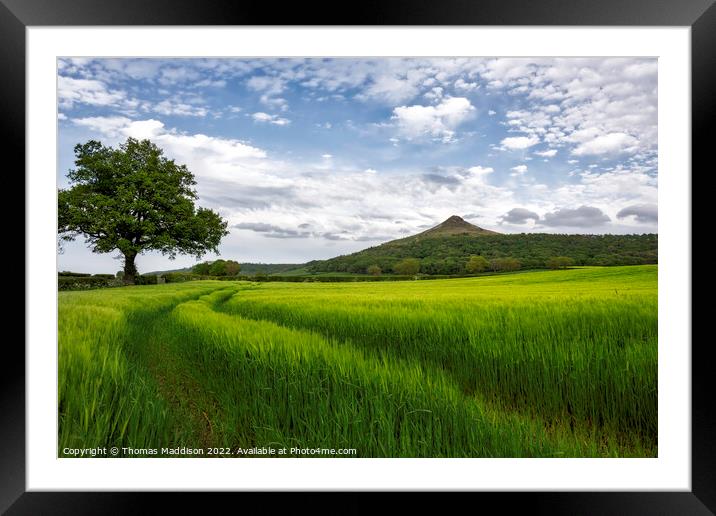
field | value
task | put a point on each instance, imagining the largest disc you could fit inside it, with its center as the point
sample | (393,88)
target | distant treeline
(448,255)
(67,280)
(267,268)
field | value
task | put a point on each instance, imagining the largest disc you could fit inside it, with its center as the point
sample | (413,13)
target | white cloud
(274,102)
(519,170)
(435,94)
(270,87)
(438,122)
(267,84)
(391,90)
(594,106)
(612,143)
(492,113)
(550,153)
(270,119)
(326,156)
(519,142)
(86,91)
(461,84)
(196,147)
(476,176)
(169,107)
(107,125)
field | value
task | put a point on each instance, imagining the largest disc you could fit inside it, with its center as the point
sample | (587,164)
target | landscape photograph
(365,257)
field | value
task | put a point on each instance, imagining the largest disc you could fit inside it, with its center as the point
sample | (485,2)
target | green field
(531,364)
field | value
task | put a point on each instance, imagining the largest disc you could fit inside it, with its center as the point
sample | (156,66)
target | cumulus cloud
(519,142)
(519,216)
(641,212)
(438,122)
(265,83)
(559,96)
(265,118)
(612,143)
(519,170)
(270,88)
(107,125)
(594,106)
(462,84)
(193,147)
(71,91)
(582,217)
(169,107)
(550,153)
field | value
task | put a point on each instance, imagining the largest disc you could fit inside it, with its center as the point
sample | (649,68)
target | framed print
(418,253)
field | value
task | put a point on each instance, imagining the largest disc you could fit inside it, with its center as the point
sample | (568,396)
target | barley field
(532,364)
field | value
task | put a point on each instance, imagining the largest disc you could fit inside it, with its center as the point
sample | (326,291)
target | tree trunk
(130,270)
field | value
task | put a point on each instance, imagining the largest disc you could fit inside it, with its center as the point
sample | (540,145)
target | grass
(536,364)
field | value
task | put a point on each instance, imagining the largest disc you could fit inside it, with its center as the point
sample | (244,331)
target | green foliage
(490,366)
(179,277)
(202,268)
(84,282)
(477,264)
(146,279)
(218,268)
(374,270)
(407,266)
(559,262)
(106,276)
(505,264)
(74,274)
(232,268)
(133,199)
(449,254)
(120,274)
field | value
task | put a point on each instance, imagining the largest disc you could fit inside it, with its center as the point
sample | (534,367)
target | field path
(194,411)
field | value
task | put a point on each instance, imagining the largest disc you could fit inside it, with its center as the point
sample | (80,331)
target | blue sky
(312,158)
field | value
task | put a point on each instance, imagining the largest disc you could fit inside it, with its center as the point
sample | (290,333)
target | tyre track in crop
(193,411)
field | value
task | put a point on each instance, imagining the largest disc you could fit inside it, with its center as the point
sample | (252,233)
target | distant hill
(445,248)
(248,268)
(452,226)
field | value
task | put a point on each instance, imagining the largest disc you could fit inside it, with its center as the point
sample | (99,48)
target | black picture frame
(700,15)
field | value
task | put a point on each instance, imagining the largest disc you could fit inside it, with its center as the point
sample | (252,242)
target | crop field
(532,364)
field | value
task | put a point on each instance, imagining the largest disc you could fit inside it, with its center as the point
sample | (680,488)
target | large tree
(133,199)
